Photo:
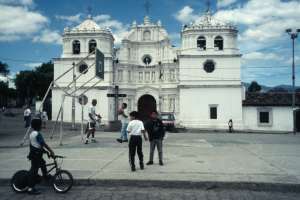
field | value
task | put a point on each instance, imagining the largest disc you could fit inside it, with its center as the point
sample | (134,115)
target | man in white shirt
(135,130)
(27,116)
(123,116)
(91,126)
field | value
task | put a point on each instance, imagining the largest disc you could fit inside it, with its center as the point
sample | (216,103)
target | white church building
(200,81)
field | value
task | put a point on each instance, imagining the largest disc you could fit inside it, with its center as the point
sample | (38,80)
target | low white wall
(281,119)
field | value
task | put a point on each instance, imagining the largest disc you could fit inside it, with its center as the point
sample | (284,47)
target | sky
(31,30)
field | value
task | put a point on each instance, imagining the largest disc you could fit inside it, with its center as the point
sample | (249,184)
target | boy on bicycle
(37,147)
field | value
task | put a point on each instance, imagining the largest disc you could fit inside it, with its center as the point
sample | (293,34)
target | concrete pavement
(211,157)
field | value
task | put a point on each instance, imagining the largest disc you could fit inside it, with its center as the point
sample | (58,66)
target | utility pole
(293,35)
(73,99)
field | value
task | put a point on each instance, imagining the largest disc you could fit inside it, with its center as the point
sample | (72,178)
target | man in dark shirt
(156,133)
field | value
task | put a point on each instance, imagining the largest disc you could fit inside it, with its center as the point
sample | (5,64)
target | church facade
(200,82)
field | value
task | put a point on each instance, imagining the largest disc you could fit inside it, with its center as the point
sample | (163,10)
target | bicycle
(62,181)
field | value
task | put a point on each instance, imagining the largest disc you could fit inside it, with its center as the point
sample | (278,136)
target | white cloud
(225,3)
(17,22)
(70,19)
(32,65)
(261,56)
(17,2)
(186,15)
(48,36)
(264,20)
(290,61)
(119,29)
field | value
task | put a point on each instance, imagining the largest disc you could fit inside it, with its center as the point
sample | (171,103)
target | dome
(88,24)
(208,21)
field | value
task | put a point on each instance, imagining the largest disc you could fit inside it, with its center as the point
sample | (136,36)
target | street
(137,193)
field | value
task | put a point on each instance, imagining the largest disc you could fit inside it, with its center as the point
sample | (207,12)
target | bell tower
(210,79)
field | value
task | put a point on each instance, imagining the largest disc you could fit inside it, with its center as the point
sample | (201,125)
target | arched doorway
(146,104)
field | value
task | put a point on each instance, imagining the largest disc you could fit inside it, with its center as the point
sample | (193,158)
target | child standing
(123,116)
(135,130)
(156,133)
(37,148)
(44,118)
(91,126)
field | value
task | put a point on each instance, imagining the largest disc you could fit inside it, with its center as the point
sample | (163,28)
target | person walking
(230,126)
(135,130)
(123,116)
(27,116)
(156,133)
(91,125)
(44,118)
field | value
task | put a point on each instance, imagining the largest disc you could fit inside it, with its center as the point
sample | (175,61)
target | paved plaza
(267,158)
(189,157)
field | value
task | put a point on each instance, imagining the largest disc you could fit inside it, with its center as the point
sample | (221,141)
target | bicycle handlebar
(57,156)
(54,157)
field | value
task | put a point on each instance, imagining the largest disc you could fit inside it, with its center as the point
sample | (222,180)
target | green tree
(25,86)
(4,69)
(3,93)
(254,87)
(43,78)
(32,84)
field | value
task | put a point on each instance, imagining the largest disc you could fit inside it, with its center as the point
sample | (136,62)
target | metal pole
(159,90)
(73,99)
(54,127)
(48,90)
(82,123)
(25,136)
(116,102)
(293,79)
(61,122)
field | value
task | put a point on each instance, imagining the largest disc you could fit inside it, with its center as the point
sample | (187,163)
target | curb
(203,185)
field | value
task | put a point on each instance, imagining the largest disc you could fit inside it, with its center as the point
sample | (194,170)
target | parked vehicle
(168,119)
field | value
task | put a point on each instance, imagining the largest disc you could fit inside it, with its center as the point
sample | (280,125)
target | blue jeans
(124,131)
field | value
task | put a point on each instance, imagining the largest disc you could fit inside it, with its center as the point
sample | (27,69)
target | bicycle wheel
(19,181)
(62,181)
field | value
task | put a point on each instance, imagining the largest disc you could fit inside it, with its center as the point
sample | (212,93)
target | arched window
(92,46)
(201,43)
(219,43)
(147,35)
(76,47)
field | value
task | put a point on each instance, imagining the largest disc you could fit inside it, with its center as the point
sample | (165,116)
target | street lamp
(294,35)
